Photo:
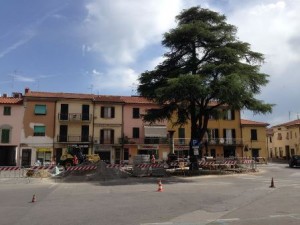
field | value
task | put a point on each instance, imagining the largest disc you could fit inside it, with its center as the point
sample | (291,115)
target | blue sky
(101,46)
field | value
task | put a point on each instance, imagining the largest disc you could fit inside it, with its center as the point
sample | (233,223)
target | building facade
(141,137)
(11,116)
(108,129)
(254,139)
(283,140)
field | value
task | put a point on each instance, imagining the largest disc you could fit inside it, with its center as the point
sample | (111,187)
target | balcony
(179,141)
(77,139)
(225,141)
(149,140)
(75,117)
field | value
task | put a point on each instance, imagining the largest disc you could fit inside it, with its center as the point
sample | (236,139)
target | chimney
(27,90)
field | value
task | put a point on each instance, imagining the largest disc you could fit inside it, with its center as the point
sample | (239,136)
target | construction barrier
(9,168)
(115,165)
(42,167)
(12,171)
(81,168)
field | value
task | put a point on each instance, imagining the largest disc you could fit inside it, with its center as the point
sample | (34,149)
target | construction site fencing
(21,172)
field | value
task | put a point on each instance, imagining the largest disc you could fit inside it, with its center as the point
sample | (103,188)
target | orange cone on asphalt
(33,198)
(160,187)
(272,183)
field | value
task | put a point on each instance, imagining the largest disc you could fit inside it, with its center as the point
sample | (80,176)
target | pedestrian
(75,160)
(153,159)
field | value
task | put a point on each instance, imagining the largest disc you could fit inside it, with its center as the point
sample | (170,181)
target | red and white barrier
(9,168)
(230,162)
(150,165)
(81,168)
(249,161)
(115,165)
(203,163)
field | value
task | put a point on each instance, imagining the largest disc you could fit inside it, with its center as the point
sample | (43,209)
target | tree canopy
(205,62)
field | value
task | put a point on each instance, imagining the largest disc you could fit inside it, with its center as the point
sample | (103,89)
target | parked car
(294,161)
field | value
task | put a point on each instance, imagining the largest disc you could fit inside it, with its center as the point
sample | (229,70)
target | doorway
(26,158)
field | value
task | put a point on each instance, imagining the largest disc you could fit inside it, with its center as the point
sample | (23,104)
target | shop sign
(43,149)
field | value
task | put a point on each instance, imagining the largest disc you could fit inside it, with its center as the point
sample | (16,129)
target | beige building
(254,138)
(284,140)
(73,123)
(108,128)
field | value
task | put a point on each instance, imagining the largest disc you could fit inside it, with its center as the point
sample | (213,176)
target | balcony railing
(180,141)
(63,138)
(73,117)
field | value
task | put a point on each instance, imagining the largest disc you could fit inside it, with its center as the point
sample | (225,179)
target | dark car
(294,161)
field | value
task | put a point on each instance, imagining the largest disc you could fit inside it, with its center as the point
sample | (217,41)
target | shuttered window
(5,135)
(107,136)
(107,112)
(7,110)
(39,131)
(40,110)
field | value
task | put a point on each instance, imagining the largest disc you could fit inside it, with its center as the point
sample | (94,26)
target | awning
(155,131)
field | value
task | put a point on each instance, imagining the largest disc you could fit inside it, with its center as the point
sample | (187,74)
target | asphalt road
(228,199)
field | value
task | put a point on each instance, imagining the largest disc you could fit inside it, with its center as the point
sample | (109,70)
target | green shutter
(39,130)
(40,109)
(5,136)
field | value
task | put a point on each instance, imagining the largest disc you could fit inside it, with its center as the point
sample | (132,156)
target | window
(7,111)
(229,115)
(107,112)
(5,135)
(135,132)
(39,131)
(40,110)
(253,135)
(229,135)
(279,136)
(106,136)
(135,113)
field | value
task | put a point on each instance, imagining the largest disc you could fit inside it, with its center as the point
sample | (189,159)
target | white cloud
(21,78)
(271,27)
(117,81)
(118,30)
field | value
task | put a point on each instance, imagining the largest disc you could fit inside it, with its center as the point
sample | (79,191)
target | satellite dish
(222,140)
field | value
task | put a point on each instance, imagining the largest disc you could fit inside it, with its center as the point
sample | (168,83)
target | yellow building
(254,138)
(284,140)
(223,139)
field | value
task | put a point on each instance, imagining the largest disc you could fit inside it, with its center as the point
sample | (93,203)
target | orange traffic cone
(272,183)
(33,198)
(160,187)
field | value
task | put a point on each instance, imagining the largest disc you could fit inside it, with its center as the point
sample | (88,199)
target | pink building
(141,137)
(11,117)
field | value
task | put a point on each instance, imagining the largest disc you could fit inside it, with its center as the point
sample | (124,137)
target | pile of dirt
(38,173)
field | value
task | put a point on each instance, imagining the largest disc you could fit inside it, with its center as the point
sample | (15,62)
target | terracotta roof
(136,100)
(253,123)
(58,95)
(291,123)
(10,100)
(108,98)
